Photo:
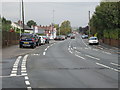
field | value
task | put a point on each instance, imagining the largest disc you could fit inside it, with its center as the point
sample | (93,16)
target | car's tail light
(33,39)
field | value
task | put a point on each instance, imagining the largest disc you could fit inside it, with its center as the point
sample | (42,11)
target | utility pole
(89,22)
(53,24)
(23,15)
(59,30)
(20,17)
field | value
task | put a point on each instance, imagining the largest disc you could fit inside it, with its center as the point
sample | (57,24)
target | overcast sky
(42,12)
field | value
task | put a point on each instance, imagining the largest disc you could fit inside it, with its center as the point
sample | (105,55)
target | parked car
(93,40)
(69,35)
(62,37)
(41,40)
(57,38)
(27,40)
(84,36)
(47,39)
(72,36)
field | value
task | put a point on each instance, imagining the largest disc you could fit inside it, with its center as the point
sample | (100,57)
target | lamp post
(89,22)
(23,15)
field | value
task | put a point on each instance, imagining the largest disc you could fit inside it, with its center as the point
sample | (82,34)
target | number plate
(26,42)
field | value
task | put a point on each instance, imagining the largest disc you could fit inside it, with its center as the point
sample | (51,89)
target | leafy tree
(65,27)
(31,22)
(6,24)
(106,19)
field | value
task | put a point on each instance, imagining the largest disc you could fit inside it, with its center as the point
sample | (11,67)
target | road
(71,63)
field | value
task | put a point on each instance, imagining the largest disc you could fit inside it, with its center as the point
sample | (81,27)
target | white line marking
(107,52)
(71,48)
(46,49)
(92,57)
(70,51)
(114,64)
(24,74)
(13,74)
(23,71)
(29,88)
(15,66)
(77,52)
(107,67)
(79,56)
(44,53)
(14,69)
(23,68)
(48,46)
(27,82)
(26,77)
(74,47)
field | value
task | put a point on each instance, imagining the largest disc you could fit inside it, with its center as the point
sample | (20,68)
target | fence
(9,38)
(112,42)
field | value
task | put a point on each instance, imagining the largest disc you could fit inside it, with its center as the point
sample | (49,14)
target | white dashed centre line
(79,56)
(108,67)
(92,57)
(114,64)
(44,53)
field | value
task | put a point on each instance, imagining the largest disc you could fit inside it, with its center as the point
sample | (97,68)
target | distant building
(19,25)
(49,31)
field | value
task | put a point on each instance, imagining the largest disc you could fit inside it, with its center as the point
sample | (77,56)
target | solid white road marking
(27,82)
(92,57)
(26,77)
(24,74)
(114,64)
(106,52)
(79,56)
(46,49)
(13,74)
(29,88)
(23,71)
(44,53)
(77,52)
(107,67)
(70,51)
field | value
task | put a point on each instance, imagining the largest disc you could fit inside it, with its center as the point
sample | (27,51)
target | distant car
(69,35)
(62,37)
(47,39)
(93,40)
(57,38)
(41,40)
(72,36)
(84,36)
(27,40)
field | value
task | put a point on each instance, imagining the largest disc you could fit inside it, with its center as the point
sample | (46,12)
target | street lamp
(89,23)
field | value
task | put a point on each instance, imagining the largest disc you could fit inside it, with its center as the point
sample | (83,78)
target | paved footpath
(14,51)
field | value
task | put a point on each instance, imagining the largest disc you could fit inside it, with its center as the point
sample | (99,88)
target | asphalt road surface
(71,63)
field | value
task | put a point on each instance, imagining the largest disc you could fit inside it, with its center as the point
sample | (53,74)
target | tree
(6,24)
(65,27)
(31,22)
(106,19)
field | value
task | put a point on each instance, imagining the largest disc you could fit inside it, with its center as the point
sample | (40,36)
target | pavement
(13,51)
(71,63)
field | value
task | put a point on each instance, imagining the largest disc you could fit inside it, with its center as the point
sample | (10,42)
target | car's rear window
(93,39)
(26,36)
